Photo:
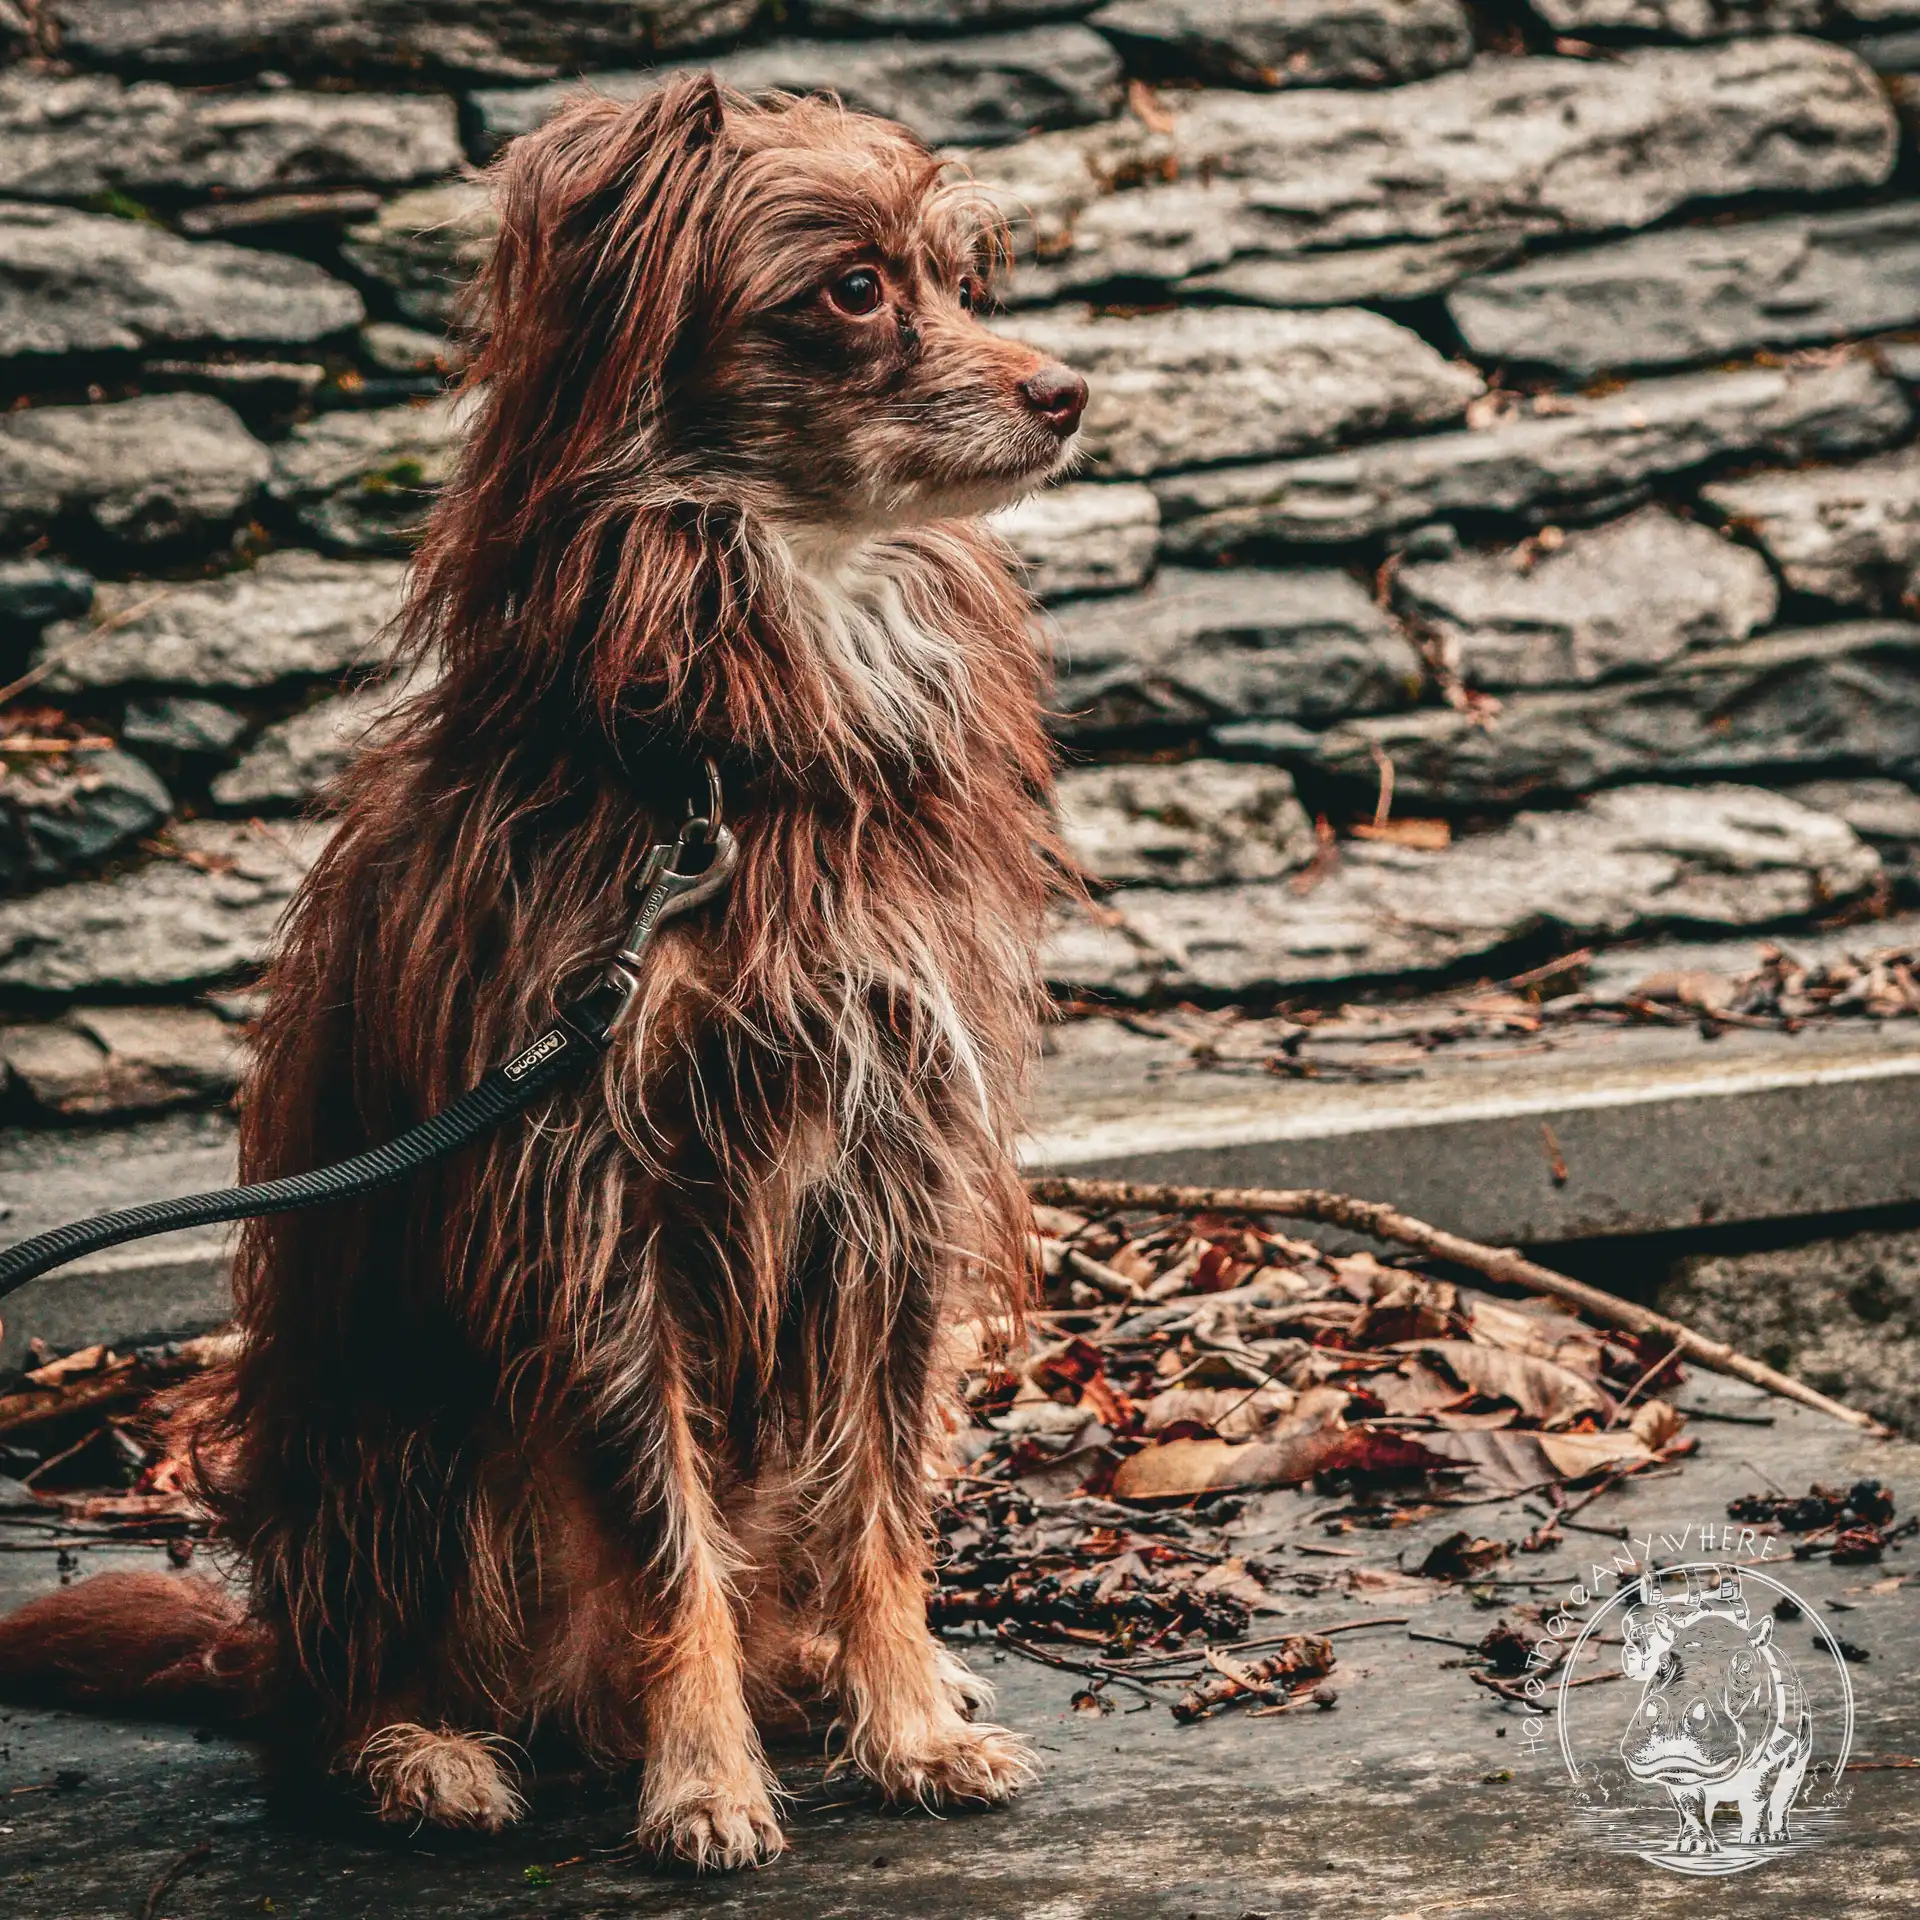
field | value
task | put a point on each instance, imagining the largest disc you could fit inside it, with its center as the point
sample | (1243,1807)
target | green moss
(123,206)
(408,474)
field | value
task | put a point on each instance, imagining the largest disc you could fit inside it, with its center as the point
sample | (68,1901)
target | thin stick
(1497,1263)
(1087,1669)
(57,657)
(1085,1267)
(194,1855)
(1442,1640)
(1508,1690)
(1639,1386)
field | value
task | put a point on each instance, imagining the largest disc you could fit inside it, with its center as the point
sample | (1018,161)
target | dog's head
(774,303)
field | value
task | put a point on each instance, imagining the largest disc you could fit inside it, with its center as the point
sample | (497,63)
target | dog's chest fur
(914,978)
(875,624)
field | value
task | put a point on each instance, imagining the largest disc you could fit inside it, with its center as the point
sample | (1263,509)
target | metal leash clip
(671,883)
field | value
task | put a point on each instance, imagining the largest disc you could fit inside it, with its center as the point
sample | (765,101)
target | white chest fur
(884,633)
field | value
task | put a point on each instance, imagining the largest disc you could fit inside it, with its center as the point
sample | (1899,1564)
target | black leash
(670,884)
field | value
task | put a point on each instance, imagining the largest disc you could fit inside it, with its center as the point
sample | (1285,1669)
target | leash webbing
(580,1035)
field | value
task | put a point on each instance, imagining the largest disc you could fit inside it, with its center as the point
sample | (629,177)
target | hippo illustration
(1722,1720)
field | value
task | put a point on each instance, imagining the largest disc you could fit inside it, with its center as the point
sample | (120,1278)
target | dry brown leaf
(1056,1223)
(69,1367)
(1541,1389)
(1232,1579)
(1389,1584)
(1315,1439)
(1693,987)
(1541,1330)
(1517,1460)
(1365,1277)
(1233,1412)
(1477,1422)
(1295,1451)
(1462,1555)
(1655,1423)
(1576,1454)
(1414,1388)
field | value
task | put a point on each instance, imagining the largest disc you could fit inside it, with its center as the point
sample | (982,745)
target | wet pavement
(1417,1795)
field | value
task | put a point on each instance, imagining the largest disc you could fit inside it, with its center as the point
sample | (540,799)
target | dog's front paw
(958,1763)
(712,1829)
(440,1779)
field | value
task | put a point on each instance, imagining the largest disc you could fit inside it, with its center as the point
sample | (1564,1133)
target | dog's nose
(1058,395)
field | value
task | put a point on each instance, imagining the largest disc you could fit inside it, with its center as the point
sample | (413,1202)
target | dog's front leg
(705,1795)
(905,1701)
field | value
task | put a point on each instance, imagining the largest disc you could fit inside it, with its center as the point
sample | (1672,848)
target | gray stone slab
(289,616)
(60,812)
(362,482)
(426,245)
(1700,293)
(1658,1131)
(173,1284)
(77,135)
(1197,822)
(102,1061)
(1877,810)
(144,472)
(1297,644)
(937,16)
(1617,600)
(37,589)
(1199,386)
(293,760)
(1564,450)
(1297,43)
(1816,698)
(1891,53)
(1632,860)
(1566,146)
(1207,236)
(976,90)
(1684,19)
(180,723)
(440,39)
(1847,534)
(1083,539)
(205,915)
(1877,12)
(81,283)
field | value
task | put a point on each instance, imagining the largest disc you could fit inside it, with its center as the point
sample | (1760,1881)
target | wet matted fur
(620,1423)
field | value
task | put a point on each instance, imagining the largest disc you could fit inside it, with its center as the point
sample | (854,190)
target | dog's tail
(157,1645)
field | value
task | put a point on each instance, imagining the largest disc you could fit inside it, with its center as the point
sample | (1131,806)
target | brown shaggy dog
(620,1423)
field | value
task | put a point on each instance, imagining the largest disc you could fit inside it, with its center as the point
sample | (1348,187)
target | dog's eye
(969,296)
(857,292)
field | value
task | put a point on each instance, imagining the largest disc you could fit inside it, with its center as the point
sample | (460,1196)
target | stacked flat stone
(1524,441)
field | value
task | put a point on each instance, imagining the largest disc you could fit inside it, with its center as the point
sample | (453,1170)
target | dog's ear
(600,265)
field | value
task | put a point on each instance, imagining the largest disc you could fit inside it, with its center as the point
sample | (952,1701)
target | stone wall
(1499,527)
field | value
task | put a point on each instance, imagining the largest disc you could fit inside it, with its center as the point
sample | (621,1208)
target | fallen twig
(1098,1273)
(1510,1690)
(1087,1669)
(193,1857)
(1497,1263)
